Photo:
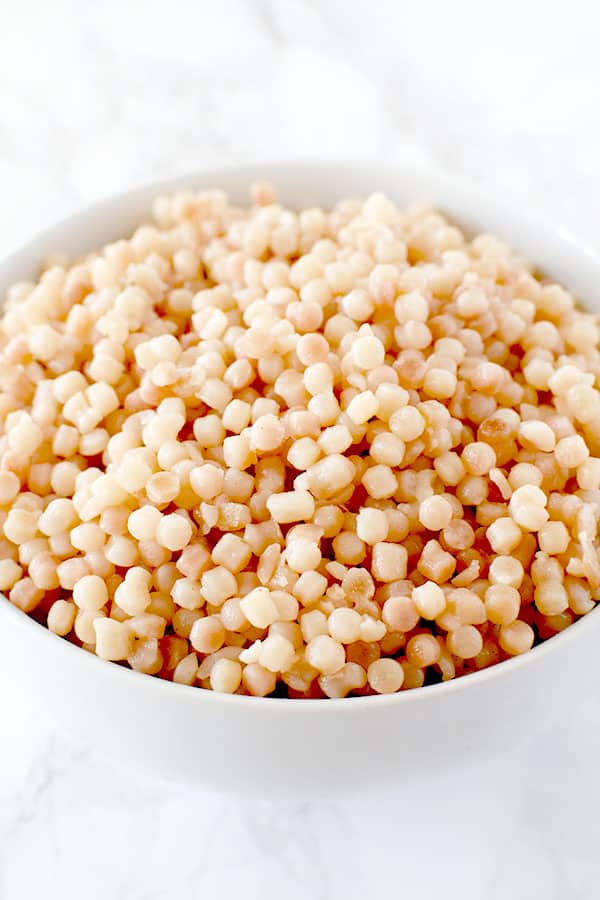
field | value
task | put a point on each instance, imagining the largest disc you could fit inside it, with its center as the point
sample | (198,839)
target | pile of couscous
(309,454)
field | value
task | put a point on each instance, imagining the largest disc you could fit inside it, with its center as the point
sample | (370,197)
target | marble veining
(97,97)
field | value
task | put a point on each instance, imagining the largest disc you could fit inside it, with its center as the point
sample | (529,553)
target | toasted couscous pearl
(537,434)
(435,512)
(368,352)
(10,573)
(186,669)
(207,634)
(113,639)
(506,570)
(385,676)
(571,451)
(88,537)
(504,535)
(276,653)
(502,604)
(9,487)
(554,537)
(516,638)
(429,600)
(294,506)
(20,526)
(254,449)
(400,614)
(388,562)
(90,593)
(527,507)
(143,523)
(303,556)
(325,654)
(133,595)
(187,594)
(61,617)
(226,676)
(465,642)
(258,681)
(372,525)
(423,650)
(173,532)
(259,608)
(345,625)
(407,423)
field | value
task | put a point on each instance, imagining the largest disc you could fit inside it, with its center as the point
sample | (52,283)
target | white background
(96,97)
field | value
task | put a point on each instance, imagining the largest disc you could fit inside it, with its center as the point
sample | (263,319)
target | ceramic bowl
(255,745)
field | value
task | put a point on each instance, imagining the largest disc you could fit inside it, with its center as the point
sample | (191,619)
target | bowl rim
(445,186)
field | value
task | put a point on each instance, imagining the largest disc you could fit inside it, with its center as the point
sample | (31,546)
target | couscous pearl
(259,608)
(293,506)
(502,604)
(207,634)
(344,625)
(113,639)
(226,676)
(435,512)
(465,641)
(276,653)
(538,435)
(163,487)
(257,680)
(367,352)
(58,517)
(90,593)
(173,532)
(527,507)
(385,676)
(10,573)
(9,487)
(516,638)
(303,556)
(423,650)
(372,525)
(429,600)
(143,522)
(506,570)
(362,407)
(325,654)
(400,613)
(61,617)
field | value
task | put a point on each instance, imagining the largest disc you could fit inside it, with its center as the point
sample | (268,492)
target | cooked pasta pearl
(429,600)
(368,352)
(225,676)
(90,593)
(385,676)
(435,512)
(344,625)
(325,654)
(173,532)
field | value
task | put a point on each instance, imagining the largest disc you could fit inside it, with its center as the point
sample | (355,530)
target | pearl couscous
(315,453)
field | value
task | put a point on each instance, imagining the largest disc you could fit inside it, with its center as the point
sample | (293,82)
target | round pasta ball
(385,676)
(325,654)
(173,532)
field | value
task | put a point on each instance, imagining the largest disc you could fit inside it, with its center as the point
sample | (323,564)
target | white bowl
(251,744)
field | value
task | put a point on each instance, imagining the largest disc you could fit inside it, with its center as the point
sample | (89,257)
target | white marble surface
(97,97)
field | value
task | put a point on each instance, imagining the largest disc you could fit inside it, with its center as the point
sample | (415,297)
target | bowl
(252,745)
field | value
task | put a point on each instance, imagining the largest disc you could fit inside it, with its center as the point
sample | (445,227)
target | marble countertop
(97,97)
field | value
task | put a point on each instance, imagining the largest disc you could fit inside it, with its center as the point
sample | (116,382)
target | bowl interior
(555,252)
